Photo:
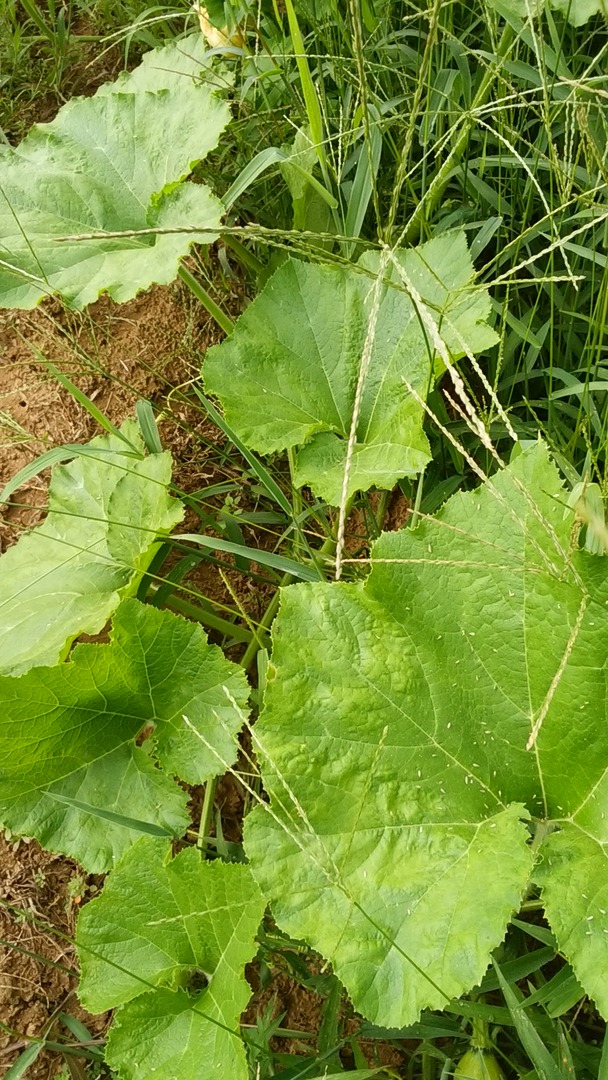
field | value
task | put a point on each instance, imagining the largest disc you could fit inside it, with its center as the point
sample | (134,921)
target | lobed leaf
(394,749)
(173,66)
(117,161)
(66,577)
(69,735)
(166,943)
(287,374)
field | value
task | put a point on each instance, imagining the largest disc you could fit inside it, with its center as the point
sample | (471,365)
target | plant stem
(244,254)
(206,812)
(297,501)
(480,1039)
(207,618)
(382,509)
(222,319)
(328,547)
(532,905)
(254,645)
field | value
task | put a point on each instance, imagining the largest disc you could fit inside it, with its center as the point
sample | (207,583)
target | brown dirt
(39,896)
(114,354)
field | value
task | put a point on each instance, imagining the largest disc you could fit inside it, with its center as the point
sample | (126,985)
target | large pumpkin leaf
(394,748)
(68,735)
(167,941)
(66,577)
(287,375)
(170,67)
(115,162)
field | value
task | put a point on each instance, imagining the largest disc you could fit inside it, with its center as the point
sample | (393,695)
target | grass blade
(23,1062)
(109,815)
(34,468)
(147,424)
(259,469)
(313,109)
(365,176)
(264,558)
(86,402)
(602,1073)
(530,1039)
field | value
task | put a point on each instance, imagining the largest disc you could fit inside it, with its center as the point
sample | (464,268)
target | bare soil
(39,899)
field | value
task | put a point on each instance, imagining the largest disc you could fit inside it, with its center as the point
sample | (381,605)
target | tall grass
(443,116)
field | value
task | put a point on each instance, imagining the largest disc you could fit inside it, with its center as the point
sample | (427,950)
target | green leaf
(287,374)
(175,66)
(574,879)
(115,162)
(66,577)
(69,735)
(160,930)
(545,1066)
(394,749)
(577,12)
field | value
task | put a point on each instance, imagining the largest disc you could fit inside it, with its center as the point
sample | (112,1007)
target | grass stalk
(206,812)
(429,203)
(222,319)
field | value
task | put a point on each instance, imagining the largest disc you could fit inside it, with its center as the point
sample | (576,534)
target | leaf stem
(206,812)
